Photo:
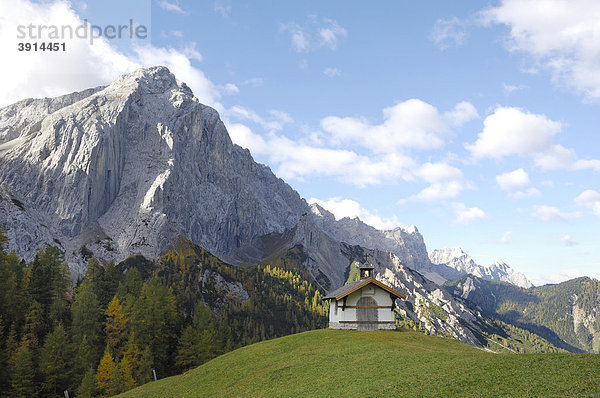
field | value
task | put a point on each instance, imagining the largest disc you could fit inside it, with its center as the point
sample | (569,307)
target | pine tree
(87,388)
(117,384)
(22,372)
(54,361)
(4,376)
(202,317)
(104,373)
(127,374)
(47,283)
(129,290)
(145,366)
(115,327)
(104,280)
(35,324)
(188,350)
(86,315)
(85,359)
(155,323)
(13,296)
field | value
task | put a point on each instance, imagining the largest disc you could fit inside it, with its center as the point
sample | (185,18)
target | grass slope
(383,363)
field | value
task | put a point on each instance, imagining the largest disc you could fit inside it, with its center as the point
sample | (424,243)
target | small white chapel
(366,304)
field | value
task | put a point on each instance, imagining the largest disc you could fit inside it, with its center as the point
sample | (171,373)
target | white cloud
(567,240)
(466,215)
(299,41)
(329,34)
(511,131)
(315,34)
(551,213)
(510,88)
(591,164)
(341,208)
(513,180)
(297,160)
(253,82)
(222,8)
(282,116)
(409,124)
(83,65)
(446,182)
(562,36)
(589,199)
(277,119)
(528,193)
(448,33)
(517,181)
(229,89)
(506,237)
(462,113)
(172,6)
(332,72)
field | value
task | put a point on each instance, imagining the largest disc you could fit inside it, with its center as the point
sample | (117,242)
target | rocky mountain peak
(128,167)
(461,261)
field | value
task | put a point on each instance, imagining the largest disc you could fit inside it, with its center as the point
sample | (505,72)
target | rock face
(405,242)
(459,260)
(128,167)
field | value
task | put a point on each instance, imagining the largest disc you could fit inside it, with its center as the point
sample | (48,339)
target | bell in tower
(366,271)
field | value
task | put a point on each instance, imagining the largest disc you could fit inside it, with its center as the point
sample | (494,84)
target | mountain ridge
(128,166)
(498,271)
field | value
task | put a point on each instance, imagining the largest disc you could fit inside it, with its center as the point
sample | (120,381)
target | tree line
(118,325)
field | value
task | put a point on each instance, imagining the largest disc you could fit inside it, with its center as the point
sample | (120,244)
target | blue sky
(475,121)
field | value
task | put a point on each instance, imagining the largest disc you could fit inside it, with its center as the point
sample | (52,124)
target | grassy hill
(383,363)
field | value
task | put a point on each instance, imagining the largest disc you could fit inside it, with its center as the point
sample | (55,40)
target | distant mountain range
(132,167)
(459,260)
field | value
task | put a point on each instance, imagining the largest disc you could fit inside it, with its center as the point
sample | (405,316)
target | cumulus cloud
(445,182)
(277,119)
(567,240)
(561,36)
(83,65)
(513,180)
(589,199)
(466,215)
(448,33)
(341,208)
(551,213)
(528,193)
(462,113)
(297,160)
(512,131)
(518,182)
(409,124)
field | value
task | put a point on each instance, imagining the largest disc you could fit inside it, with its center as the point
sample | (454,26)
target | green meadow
(325,362)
